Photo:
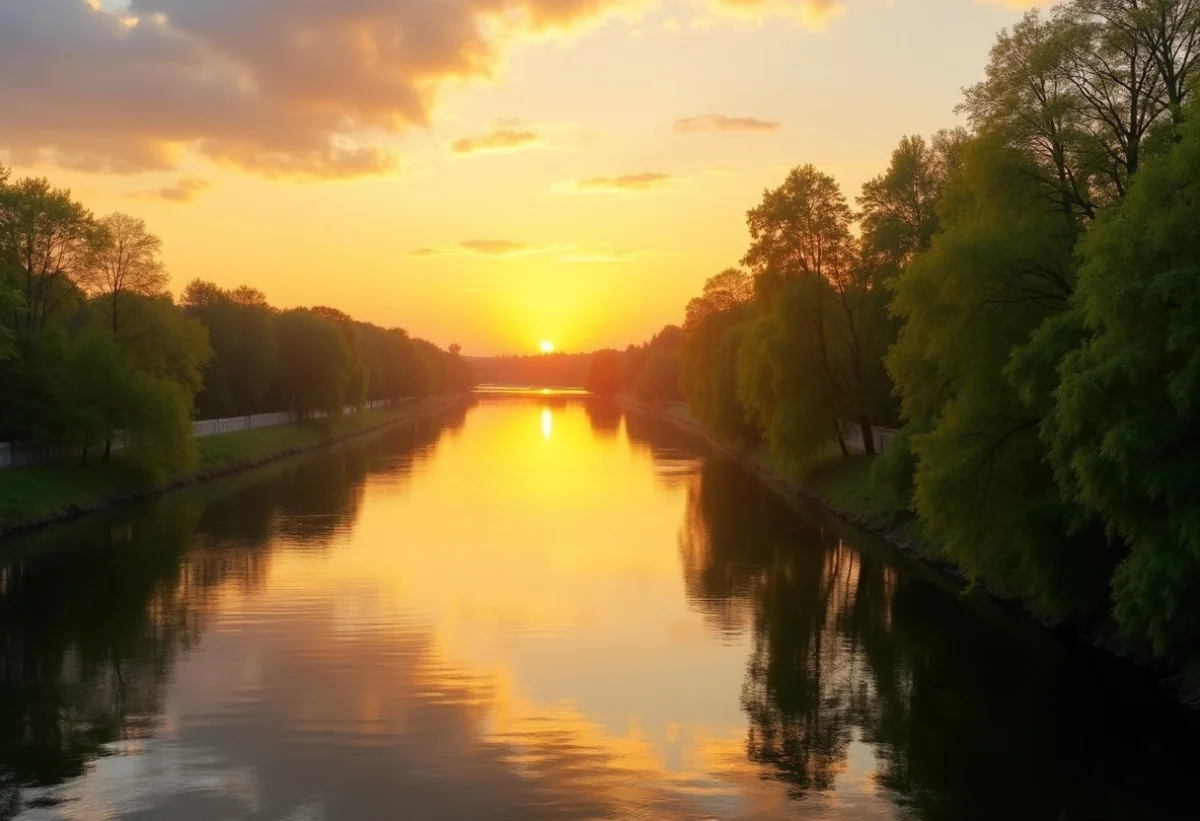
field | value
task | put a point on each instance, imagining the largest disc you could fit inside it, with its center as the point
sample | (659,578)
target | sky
(489,172)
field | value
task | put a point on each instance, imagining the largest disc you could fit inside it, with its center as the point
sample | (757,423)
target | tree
(801,232)
(1121,430)
(358,376)
(110,395)
(999,268)
(1028,99)
(46,238)
(125,259)
(708,360)
(899,215)
(659,380)
(604,373)
(314,363)
(782,381)
(241,327)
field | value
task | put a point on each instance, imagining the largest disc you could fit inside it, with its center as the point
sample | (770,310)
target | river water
(537,607)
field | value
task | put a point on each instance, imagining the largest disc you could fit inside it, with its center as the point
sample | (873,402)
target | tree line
(92,344)
(1022,298)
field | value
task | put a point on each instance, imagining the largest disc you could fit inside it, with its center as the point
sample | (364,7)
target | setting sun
(547,346)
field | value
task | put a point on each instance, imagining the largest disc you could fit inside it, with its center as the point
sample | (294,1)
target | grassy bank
(841,484)
(36,495)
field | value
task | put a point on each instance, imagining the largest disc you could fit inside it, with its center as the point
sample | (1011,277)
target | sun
(547,346)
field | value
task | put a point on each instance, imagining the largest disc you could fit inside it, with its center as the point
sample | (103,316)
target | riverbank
(38,495)
(843,488)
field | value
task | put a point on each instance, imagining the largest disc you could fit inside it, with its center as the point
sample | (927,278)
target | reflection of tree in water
(671,450)
(604,415)
(94,613)
(968,714)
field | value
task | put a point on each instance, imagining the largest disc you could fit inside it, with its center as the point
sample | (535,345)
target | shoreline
(1167,676)
(395,414)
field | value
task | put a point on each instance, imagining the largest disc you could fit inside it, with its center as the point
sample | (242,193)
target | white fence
(18,455)
(882,437)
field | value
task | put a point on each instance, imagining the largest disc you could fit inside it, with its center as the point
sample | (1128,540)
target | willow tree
(1121,431)
(801,243)
(708,354)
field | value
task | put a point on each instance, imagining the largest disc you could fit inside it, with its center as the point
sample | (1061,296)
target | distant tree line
(649,371)
(1022,297)
(93,346)
(553,370)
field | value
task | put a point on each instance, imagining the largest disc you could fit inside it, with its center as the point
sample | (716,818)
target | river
(538,607)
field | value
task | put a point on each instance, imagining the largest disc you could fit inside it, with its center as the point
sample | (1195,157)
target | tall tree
(1122,428)
(125,260)
(899,214)
(314,363)
(708,357)
(46,238)
(801,232)
(1000,266)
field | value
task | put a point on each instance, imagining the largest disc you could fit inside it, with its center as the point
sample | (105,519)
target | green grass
(43,493)
(846,484)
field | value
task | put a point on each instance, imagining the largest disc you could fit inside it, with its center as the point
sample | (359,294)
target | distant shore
(843,488)
(39,495)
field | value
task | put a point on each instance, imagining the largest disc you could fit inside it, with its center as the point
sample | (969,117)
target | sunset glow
(547,346)
(581,167)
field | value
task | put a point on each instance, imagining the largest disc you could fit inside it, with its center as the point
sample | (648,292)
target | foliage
(658,381)
(708,354)
(124,260)
(1121,432)
(829,321)
(604,373)
(314,363)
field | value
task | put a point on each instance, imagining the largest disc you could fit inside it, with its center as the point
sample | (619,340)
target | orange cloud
(502,139)
(629,183)
(274,86)
(185,190)
(719,122)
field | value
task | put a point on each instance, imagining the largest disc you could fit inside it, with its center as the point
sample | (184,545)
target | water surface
(536,607)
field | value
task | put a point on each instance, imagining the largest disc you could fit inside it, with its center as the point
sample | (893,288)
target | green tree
(604,375)
(111,396)
(357,374)
(708,360)
(241,327)
(899,214)
(782,381)
(801,233)
(46,238)
(999,268)
(125,260)
(1121,431)
(314,363)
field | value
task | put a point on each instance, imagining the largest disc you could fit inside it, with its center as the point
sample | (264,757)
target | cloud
(628,184)
(708,123)
(279,87)
(502,139)
(483,248)
(185,189)
(496,247)
(813,14)
(589,257)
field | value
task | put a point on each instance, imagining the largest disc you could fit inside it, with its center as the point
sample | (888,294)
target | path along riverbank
(38,495)
(843,488)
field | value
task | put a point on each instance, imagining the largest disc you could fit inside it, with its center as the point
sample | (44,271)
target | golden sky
(487,172)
